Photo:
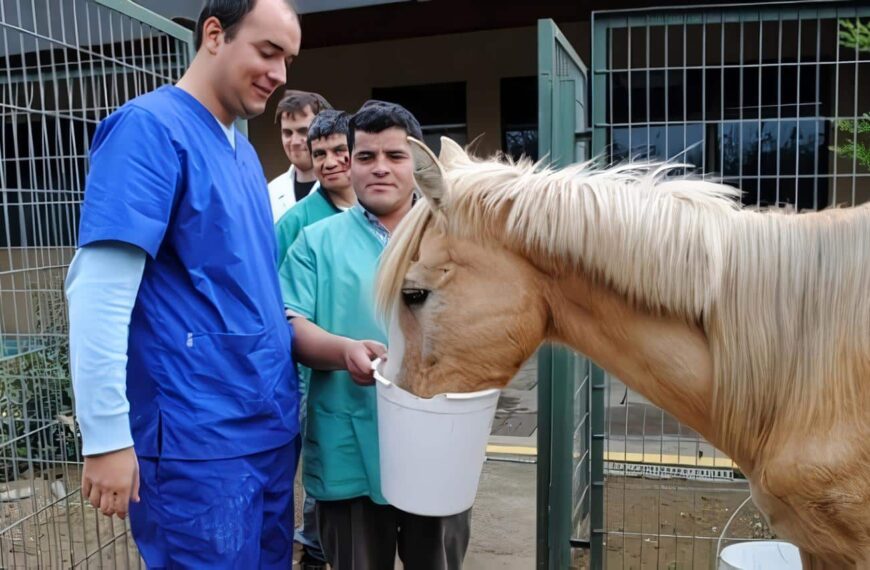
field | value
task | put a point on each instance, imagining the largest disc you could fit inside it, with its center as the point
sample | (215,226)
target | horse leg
(821,562)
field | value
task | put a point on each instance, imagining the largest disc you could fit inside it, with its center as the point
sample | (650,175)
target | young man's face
(294,137)
(254,63)
(382,170)
(331,161)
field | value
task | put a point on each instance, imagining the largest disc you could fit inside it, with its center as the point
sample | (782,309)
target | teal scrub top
(333,263)
(311,209)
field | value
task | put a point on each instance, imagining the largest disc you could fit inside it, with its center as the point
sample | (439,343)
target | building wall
(29,277)
(345,75)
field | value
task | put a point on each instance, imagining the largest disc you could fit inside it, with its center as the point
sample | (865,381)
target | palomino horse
(751,327)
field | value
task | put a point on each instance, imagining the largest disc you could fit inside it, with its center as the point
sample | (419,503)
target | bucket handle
(727,524)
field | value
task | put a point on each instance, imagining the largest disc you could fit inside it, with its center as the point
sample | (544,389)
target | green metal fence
(760,96)
(568,501)
(64,66)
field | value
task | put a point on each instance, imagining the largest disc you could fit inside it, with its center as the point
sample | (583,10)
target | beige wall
(29,276)
(345,75)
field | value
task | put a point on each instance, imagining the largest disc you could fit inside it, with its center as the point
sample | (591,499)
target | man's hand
(111,480)
(358,357)
(321,350)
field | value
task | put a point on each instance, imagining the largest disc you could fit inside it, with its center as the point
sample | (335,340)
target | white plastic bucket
(766,555)
(432,449)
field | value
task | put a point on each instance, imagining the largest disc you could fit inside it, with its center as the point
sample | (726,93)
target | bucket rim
(444,395)
(783,549)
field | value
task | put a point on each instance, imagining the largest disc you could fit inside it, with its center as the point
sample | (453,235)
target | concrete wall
(345,75)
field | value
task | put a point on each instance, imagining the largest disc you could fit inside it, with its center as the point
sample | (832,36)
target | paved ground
(503,520)
(517,412)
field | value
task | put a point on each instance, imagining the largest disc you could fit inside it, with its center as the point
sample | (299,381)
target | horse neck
(665,359)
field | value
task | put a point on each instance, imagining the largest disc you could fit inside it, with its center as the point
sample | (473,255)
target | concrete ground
(503,519)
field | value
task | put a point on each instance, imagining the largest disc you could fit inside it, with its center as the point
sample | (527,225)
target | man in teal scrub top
(327,143)
(333,264)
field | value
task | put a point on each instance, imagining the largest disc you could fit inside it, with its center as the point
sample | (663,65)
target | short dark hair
(229,13)
(377,116)
(327,122)
(294,102)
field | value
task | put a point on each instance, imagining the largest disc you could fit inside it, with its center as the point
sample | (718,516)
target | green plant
(855,35)
(35,390)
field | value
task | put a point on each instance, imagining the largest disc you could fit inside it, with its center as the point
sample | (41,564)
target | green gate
(570,468)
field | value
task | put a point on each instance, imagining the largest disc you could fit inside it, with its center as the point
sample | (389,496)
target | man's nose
(382,167)
(277,74)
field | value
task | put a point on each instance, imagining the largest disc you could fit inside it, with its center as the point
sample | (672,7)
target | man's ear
(212,35)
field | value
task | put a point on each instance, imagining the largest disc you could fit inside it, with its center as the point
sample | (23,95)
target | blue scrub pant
(222,513)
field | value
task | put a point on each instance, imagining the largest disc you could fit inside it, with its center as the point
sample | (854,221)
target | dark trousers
(358,534)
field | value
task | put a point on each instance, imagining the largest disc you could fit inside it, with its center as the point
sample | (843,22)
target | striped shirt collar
(381,232)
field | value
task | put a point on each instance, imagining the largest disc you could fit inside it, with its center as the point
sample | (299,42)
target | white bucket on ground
(765,555)
(432,449)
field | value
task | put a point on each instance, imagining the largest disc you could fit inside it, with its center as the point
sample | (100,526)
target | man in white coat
(295,112)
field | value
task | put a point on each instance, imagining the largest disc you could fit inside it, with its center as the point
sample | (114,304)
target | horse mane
(783,298)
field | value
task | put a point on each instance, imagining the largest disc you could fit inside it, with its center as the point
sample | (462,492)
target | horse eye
(414,296)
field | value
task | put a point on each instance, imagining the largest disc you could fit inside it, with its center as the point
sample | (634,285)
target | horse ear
(428,173)
(451,153)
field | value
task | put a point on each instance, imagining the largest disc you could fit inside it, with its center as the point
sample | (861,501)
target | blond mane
(780,296)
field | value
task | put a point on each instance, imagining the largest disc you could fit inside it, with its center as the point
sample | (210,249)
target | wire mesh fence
(771,98)
(64,66)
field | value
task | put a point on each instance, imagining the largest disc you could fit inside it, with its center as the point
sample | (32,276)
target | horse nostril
(414,296)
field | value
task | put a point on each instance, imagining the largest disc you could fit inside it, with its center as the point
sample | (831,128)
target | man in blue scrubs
(186,391)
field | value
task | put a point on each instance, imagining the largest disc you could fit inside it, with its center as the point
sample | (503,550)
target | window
(440,108)
(519,116)
(759,104)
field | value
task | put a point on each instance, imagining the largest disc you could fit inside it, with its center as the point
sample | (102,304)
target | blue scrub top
(209,373)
